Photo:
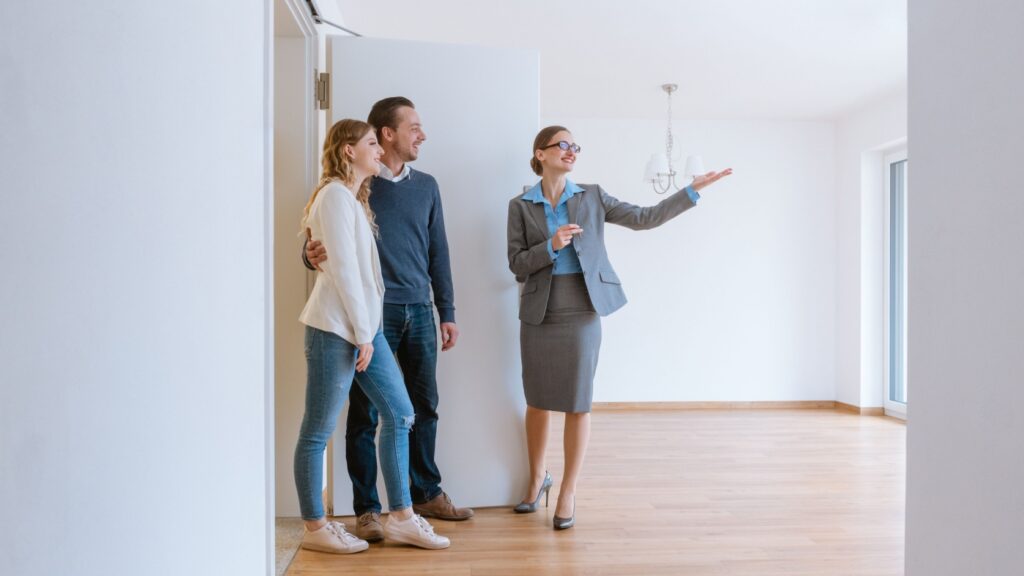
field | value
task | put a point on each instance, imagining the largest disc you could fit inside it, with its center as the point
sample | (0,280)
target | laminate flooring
(694,493)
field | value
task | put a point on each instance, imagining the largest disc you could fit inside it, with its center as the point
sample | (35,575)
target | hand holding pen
(563,236)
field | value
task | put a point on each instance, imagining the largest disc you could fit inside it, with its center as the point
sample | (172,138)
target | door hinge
(323,90)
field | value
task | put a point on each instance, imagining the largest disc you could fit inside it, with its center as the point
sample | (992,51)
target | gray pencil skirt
(560,355)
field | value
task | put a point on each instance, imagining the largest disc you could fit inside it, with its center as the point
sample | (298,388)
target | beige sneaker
(415,531)
(368,527)
(333,538)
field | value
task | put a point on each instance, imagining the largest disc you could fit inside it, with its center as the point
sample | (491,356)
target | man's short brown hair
(385,113)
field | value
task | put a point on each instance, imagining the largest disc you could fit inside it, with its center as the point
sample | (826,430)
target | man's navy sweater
(412,243)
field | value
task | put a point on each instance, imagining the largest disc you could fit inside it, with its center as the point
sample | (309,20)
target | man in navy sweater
(414,259)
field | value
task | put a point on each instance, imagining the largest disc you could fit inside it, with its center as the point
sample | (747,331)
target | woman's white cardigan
(349,293)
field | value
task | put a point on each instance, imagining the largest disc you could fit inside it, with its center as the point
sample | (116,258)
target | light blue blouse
(566,261)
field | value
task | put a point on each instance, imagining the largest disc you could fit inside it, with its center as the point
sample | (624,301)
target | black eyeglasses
(562,144)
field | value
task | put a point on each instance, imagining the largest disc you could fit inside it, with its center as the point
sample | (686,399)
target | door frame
(303,20)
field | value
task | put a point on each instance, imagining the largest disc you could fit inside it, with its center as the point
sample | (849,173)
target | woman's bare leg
(574,441)
(538,424)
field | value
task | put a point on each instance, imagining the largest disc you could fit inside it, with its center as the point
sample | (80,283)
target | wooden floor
(695,493)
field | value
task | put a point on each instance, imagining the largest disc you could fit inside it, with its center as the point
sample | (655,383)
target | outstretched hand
(705,180)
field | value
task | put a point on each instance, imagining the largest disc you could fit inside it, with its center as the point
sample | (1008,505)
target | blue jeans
(412,335)
(331,365)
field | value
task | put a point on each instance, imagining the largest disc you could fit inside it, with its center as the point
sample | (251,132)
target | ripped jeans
(331,364)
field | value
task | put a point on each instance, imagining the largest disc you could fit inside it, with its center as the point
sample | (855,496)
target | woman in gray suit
(556,250)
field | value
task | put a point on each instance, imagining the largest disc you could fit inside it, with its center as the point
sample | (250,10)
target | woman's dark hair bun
(535,165)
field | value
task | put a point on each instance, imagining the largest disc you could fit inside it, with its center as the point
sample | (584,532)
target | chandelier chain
(668,133)
(663,182)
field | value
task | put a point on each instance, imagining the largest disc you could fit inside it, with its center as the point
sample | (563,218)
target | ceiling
(748,59)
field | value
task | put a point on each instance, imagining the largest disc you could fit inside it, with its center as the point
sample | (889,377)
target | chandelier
(660,172)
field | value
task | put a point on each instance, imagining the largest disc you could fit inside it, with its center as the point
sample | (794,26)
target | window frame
(891,407)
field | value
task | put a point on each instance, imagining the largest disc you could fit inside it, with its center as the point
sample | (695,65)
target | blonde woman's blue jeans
(331,361)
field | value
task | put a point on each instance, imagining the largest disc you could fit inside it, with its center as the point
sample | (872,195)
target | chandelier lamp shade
(660,172)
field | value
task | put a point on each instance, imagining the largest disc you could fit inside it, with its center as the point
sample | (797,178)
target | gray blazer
(528,235)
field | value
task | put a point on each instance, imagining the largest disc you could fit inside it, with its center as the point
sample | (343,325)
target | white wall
(133,365)
(862,137)
(735,300)
(965,459)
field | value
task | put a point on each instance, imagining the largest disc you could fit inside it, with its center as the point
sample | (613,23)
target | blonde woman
(343,319)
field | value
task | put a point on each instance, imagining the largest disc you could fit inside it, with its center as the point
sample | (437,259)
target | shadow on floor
(288,536)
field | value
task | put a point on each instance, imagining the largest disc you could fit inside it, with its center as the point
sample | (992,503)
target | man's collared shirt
(386,174)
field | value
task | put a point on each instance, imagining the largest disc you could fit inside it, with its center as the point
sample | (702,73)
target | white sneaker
(415,531)
(333,538)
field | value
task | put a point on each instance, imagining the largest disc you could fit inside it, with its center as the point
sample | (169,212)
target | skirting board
(768,405)
(862,410)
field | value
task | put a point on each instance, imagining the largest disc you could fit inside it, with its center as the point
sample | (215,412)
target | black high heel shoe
(545,490)
(565,523)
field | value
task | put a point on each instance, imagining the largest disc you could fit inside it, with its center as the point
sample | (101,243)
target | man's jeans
(412,335)
(331,365)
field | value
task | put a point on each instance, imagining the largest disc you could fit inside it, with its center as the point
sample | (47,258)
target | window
(896,284)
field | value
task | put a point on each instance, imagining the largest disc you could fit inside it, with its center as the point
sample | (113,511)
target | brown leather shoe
(441,507)
(369,528)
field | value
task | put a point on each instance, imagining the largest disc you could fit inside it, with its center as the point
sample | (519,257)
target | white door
(479,108)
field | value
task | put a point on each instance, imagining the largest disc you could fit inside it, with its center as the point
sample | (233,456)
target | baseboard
(862,410)
(767,405)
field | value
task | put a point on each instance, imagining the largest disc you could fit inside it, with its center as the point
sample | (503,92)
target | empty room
(303,287)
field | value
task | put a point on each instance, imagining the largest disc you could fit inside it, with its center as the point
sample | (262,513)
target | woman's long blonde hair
(337,167)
